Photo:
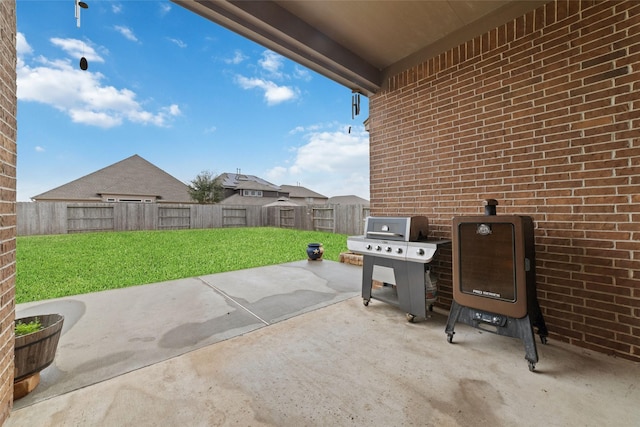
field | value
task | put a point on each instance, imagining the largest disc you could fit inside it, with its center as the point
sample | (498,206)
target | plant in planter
(36,342)
(23,328)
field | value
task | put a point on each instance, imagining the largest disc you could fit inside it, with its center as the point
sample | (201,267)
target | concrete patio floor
(293,345)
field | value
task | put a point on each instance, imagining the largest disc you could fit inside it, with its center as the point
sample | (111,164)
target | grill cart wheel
(411,317)
(365,302)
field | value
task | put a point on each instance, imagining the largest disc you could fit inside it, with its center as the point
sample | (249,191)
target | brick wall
(8,134)
(542,114)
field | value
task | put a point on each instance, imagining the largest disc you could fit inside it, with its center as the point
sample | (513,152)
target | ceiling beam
(274,27)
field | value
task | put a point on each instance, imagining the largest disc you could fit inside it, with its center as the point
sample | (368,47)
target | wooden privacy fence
(63,218)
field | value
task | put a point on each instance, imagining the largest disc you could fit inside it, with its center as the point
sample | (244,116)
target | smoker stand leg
(538,321)
(454,313)
(525,333)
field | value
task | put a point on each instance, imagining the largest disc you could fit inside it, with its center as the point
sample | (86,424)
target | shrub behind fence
(63,218)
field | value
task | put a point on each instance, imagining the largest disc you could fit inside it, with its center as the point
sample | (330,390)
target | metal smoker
(494,278)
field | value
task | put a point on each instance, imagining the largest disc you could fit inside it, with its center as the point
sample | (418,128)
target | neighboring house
(240,189)
(303,196)
(347,200)
(130,180)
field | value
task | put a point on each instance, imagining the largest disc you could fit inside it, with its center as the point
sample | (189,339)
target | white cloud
(237,58)
(82,94)
(271,69)
(277,174)
(272,63)
(173,110)
(164,8)
(301,74)
(331,162)
(273,94)
(331,152)
(158,119)
(94,118)
(177,42)
(22,47)
(311,128)
(116,8)
(39,149)
(77,49)
(126,32)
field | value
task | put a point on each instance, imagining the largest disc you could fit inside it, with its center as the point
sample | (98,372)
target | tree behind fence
(63,218)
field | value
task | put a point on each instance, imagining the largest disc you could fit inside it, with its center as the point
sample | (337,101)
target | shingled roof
(348,200)
(300,192)
(237,181)
(133,177)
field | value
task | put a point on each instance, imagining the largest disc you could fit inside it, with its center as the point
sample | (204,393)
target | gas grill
(396,252)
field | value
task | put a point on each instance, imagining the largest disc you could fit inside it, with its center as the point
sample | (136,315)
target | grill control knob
(378,248)
(399,250)
(388,249)
(368,247)
(420,251)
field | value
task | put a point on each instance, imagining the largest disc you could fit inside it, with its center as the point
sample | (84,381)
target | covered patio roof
(358,43)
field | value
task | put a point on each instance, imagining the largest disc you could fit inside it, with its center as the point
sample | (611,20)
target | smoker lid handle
(383,233)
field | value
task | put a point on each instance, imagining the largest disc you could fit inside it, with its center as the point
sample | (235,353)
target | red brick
(8,126)
(606,343)
(541,115)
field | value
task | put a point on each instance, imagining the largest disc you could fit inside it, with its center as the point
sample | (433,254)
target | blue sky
(182,92)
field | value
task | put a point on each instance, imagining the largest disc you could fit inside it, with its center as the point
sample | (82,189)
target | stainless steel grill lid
(404,229)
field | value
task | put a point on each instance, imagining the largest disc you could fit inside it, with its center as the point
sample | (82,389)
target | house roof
(298,191)
(347,200)
(133,176)
(245,182)
(360,44)
(237,181)
(252,185)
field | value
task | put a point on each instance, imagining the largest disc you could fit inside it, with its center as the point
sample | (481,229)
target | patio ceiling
(358,43)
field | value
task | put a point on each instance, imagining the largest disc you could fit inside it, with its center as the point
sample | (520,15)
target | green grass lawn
(73,264)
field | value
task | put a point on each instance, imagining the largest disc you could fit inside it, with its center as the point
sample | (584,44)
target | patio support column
(8,153)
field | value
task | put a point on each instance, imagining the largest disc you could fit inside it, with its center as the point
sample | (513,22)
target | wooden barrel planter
(36,351)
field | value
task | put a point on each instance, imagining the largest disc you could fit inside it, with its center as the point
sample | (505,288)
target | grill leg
(367,278)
